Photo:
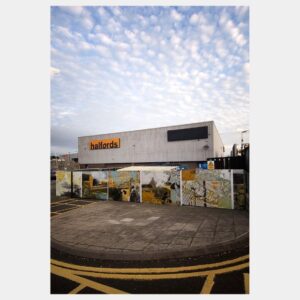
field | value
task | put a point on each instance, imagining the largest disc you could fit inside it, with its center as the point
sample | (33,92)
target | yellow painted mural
(63,183)
(124,186)
(161,187)
(77,184)
(208,188)
(95,184)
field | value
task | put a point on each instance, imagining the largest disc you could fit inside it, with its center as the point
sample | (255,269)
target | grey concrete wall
(218,145)
(149,145)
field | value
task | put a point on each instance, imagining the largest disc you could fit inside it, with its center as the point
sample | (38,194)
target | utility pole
(133,153)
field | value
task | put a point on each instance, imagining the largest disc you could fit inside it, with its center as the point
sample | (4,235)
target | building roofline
(146,129)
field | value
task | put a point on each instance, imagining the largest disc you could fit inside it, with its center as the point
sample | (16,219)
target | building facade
(184,145)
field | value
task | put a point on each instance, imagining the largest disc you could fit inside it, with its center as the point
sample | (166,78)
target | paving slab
(126,231)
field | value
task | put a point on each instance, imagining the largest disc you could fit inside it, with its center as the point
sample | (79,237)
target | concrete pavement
(130,231)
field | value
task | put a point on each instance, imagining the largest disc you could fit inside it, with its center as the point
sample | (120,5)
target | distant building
(180,145)
(65,162)
(69,156)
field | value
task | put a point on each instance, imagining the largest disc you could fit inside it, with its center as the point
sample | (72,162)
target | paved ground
(127,231)
(116,247)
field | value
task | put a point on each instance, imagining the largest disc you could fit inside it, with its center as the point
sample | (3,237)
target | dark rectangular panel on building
(196,133)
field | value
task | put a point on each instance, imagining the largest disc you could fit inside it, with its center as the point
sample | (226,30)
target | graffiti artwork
(239,189)
(63,183)
(77,184)
(94,185)
(124,186)
(208,188)
(161,187)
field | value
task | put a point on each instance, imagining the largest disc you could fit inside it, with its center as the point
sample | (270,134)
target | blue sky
(126,68)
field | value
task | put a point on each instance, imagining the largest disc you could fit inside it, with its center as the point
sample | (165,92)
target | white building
(185,145)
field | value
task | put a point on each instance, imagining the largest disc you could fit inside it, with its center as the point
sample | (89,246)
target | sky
(126,68)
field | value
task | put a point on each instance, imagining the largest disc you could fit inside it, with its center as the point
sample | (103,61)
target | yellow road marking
(74,206)
(55,204)
(208,284)
(65,210)
(154,276)
(149,270)
(83,281)
(246,282)
(78,289)
(61,201)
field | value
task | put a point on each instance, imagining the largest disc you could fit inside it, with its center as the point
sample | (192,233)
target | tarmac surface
(110,230)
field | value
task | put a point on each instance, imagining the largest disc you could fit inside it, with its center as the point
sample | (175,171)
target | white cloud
(151,53)
(203,75)
(130,35)
(64,31)
(66,113)
(74,10)
(223,18)
(176,16)
(207,29)
(87,22)
(220,48)
(153,19)
(161,56)
(145,38)
(247,68)
(116,11)
(235,33)
(157,28)
(175,40)
(102,50)
(240,40)
(102,12)
(241,10)
(205,38)
(85,46)
(197,19)
(122,46)
(104,39)
(142,20)
(114,26)
(54,71)
(247,72)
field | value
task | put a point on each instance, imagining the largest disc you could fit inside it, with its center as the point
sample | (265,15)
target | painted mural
(161,187)
(208,188)
(77,184)
(124,186)
(95,185)
(63,183)
(239,189)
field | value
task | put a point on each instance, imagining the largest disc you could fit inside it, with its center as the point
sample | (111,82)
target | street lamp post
(133,153)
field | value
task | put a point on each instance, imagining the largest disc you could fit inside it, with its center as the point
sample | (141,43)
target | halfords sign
(105,144)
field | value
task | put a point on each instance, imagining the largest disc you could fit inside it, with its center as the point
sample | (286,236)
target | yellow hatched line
(55,204)
(149,270)
(208,284)
(62,201)
(154,276)
(65,209)
(83,281)
(70,206)
(78,289)
(75,206)
(246,283)
(78,205)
